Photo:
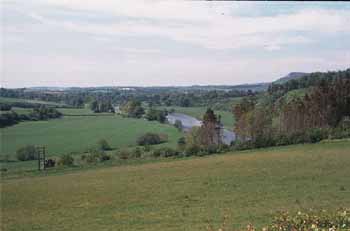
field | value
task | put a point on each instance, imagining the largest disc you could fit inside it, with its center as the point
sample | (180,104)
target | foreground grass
(77,133)
(246,186)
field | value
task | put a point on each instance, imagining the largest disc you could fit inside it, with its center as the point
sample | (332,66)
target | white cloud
(98,57)
(199,23)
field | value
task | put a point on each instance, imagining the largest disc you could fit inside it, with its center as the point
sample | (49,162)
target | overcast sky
(117,43)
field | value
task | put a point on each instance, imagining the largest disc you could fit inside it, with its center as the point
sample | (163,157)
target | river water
(188,122)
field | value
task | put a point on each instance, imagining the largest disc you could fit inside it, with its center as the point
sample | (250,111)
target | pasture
(183,194)
(19,100)
(78,133)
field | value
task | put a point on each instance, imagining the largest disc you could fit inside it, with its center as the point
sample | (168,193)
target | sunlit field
(78,133)
(247,186)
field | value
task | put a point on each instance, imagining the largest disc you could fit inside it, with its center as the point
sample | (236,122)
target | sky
(84,43)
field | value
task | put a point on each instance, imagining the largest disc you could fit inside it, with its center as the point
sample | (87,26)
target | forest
(314,107)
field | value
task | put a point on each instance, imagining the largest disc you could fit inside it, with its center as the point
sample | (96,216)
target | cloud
(86,42)
(199,23)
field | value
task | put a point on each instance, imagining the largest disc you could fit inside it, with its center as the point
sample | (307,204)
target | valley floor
(247,186)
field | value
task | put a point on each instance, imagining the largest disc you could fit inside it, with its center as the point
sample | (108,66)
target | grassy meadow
(19,100)
(77,133)
(183,194)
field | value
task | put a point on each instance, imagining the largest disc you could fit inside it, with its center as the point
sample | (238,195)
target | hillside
(247,186)
(290,76)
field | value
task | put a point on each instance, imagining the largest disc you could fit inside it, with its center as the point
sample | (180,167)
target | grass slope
(247,186)
(77,133)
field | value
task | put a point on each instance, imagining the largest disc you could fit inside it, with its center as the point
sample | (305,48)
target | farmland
(247,186)
(18,100)
(78,133)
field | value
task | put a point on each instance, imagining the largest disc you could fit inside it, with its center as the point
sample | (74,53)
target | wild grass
(249,187)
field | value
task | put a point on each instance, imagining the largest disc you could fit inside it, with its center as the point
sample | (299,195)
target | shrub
(191,150)
(311,220)
(124,154)
(165,152)
(66,160)
(153,114)
(137,152)
(178,125)
(223,148)
(25,153)
(210,149)
(5,158)
(50,163)
(147,148)
(302,221)
(91,158)
(149,139)
(5,107)
(316,135)
(181,143)
(105,157)
(95,155)
(103,145)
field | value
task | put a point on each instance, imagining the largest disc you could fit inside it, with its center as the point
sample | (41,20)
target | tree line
(323,111)
(39,113)
(172,96)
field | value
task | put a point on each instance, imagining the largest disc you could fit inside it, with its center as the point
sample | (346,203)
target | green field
(226,117)
(183,194)
(15,100)
(78,133)
(19,110)
(77,111)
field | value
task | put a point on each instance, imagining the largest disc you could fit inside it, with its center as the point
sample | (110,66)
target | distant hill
(290,76)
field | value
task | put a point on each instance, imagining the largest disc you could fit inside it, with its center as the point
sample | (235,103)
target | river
(188,122)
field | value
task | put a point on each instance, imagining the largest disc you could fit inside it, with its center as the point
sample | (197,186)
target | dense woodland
(320,110)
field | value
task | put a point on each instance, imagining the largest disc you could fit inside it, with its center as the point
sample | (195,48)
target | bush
(66,160)
(191,150)
(223,148)
(5,107)
(302,221)
(211,149)
(137,153)
(153,114)
(339,220)
(178,125)
(339,133)
(28,152)
(103,145)
(149,139)
(124,154)
(165,152)
(147,148)
(96,155)
(50,163)
(181,143)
